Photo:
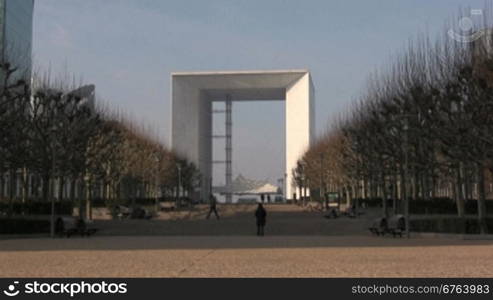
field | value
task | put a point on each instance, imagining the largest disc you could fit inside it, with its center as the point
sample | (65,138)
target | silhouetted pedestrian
(352,211)
(260,215)
(268,198)
(212,207)
(262,198)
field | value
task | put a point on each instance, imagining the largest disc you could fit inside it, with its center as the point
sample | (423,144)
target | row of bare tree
(422,129)
(54,144)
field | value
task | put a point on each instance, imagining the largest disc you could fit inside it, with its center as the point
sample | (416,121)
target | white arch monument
(192,94)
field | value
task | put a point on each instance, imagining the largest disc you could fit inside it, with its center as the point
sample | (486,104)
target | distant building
(16,32)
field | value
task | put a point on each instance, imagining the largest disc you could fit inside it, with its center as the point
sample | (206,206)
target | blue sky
(129,47)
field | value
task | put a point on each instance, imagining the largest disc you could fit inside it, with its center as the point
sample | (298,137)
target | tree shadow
(119,243)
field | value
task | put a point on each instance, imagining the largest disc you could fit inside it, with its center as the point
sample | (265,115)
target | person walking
(260,215)
(262,198)
(212,207)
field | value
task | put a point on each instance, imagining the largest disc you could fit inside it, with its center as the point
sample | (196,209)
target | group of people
(260,213)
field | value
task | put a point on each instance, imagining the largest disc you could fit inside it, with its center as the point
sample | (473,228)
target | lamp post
(406,196)
(285,186)
(280,184)
(52,213)
(405,171)
(322,182)
(53,166)
(302,187)
(156,205)
(178,167)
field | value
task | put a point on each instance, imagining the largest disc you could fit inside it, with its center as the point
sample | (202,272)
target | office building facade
(16,31)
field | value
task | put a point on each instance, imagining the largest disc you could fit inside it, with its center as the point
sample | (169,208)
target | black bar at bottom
(303,289)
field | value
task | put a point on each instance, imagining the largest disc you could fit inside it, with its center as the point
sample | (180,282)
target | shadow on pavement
(225,242)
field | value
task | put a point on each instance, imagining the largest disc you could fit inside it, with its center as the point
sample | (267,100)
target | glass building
(16,30)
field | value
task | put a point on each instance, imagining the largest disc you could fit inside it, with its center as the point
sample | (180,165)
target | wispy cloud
(60,37)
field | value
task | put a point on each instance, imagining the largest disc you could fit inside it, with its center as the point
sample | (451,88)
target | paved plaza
(324,253)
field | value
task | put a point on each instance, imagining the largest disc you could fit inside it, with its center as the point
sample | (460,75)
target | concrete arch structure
(192,94)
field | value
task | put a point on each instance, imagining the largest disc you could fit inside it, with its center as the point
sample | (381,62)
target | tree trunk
(394,192)
(459,195)
(416,187)
(402,191)
(46,187)
(73,183)
(177,195)
(304,196)
(384,197)
(12,185)
(433,184)
(88,200)
(61,185)
(2,184)
(25,185)
(467,184)
(481,199)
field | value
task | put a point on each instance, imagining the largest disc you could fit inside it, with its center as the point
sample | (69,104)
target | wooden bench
(396,225)
(68,226)
(378,227)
